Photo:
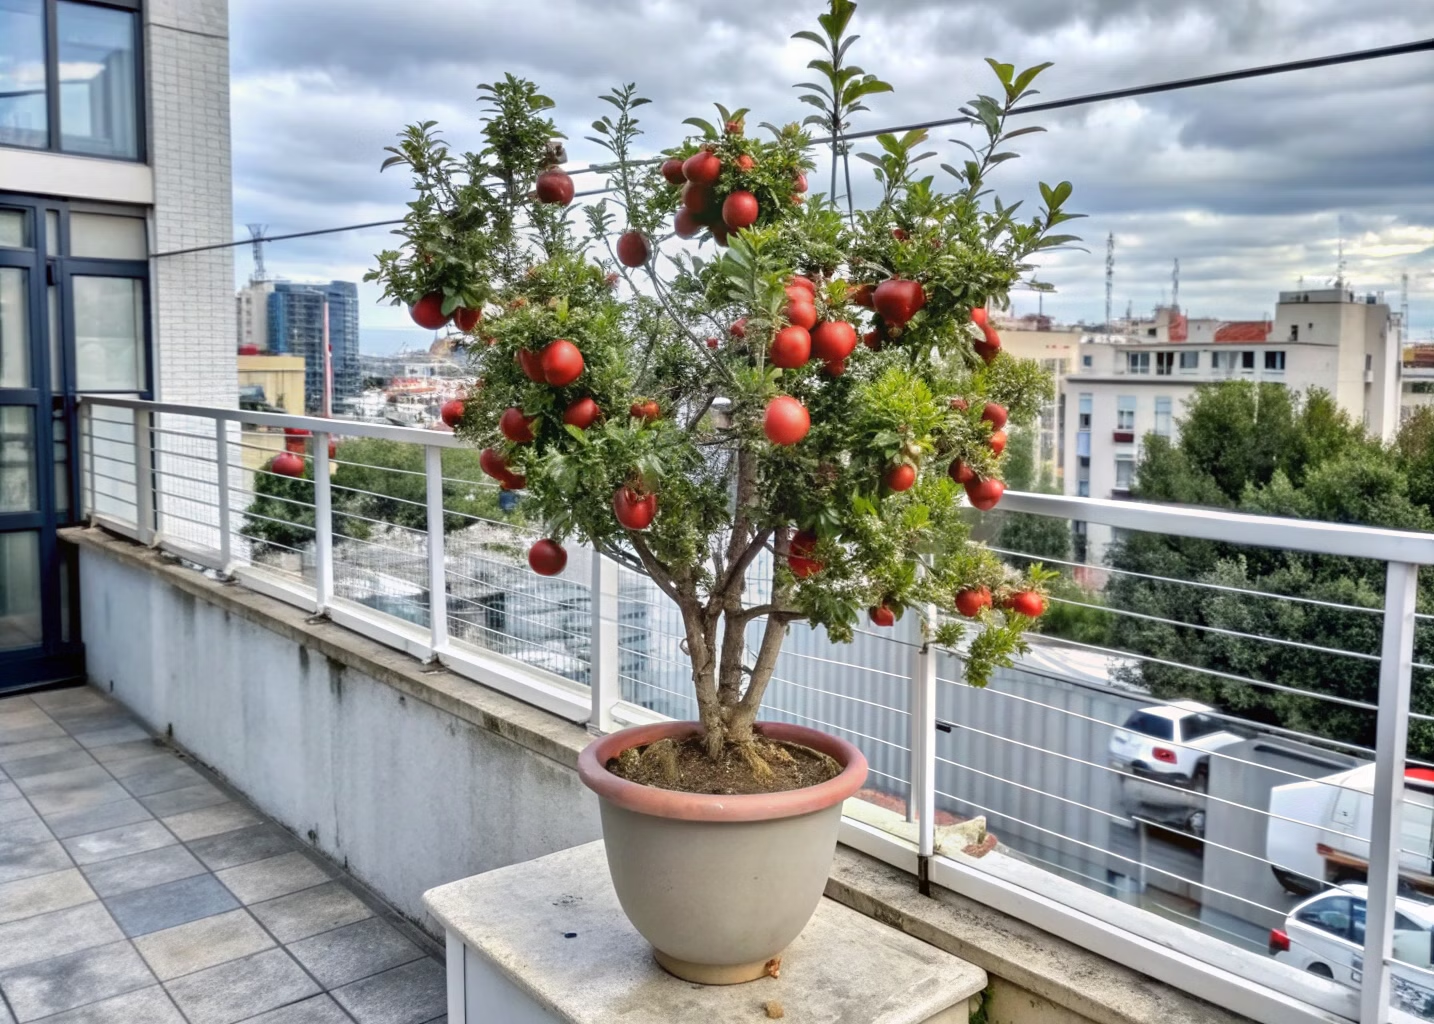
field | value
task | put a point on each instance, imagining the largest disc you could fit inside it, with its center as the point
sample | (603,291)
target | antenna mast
(256,234)
(1175,287)
(1109,276)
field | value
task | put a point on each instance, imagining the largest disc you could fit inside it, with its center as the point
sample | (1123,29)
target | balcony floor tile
(150,927)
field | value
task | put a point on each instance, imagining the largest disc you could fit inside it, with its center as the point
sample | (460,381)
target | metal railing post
(143,477)
(221,467)
(87,454)
(323,524)
(1392,733)
(437,570)
(922,805)
(602,654)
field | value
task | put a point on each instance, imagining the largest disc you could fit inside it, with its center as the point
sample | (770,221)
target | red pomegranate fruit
(547,557)
(672,171)
(801,314)
(833,340)
(791,348)
(491,461)
(562,363)
(634,510)
(582,414)
(997,441)
(984,494)
(466,319)
(786,420)
(287,464)
(632,249)
(881,615)
(427,312)
(532,365)
(961,472)
(970,601)
(1027,603)
(702,167)
(451,412)
(799,555)
(648,411)
(515,426)
(739,210)
(555,186)
(994,414)
(897,300)
(900,477)
(685,224)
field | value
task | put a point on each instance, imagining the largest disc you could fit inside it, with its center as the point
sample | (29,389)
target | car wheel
(1196,822)
(1322,970)
(1201,780)
(1295,885)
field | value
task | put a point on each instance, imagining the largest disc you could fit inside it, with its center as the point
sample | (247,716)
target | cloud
(1249,184)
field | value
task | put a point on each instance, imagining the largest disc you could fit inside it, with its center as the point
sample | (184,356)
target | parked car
(1325,935)
(1318,830)
(1170,743)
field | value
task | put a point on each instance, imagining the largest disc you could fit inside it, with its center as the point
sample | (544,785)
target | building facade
(296,315)
(1128,387)
(114,151)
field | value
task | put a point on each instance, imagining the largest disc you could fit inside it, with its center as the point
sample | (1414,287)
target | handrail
(1342,539)
(338,427)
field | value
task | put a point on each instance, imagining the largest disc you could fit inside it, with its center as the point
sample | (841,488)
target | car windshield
(1195,726)
(1151,725)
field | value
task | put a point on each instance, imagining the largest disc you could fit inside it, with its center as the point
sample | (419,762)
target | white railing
(598,645)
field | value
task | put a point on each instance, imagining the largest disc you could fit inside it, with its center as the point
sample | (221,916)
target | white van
(1318,830)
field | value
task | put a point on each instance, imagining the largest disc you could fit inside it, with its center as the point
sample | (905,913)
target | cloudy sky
(1249,185)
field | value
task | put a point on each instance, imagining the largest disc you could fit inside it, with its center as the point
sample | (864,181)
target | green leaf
(1062,193)
(1026,77)
(810,37)
(581,436)
(705,127)
(1022,131)
(1003,71)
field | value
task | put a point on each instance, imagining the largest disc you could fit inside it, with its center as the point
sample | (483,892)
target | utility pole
(1404,306)
(1109,278)
(1175,287)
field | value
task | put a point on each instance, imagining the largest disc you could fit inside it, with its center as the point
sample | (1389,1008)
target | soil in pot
(684,766)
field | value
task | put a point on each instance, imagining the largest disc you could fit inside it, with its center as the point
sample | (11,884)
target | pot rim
(668,803)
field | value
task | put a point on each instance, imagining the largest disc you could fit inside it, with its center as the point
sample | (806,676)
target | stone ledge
(1034,961)
(553,928)
(530,727)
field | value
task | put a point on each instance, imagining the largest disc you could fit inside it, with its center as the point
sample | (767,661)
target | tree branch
(656,570)
(771,646)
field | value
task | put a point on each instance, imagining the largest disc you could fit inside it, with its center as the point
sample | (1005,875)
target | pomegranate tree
(852,468)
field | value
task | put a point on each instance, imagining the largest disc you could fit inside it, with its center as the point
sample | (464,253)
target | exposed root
(773,752)
(661,758)
(755,761)
(628,760)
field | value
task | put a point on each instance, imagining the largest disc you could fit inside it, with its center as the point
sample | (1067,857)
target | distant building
(252,316)
(1134,384)
(296,327)
(275,381)
(1057,350)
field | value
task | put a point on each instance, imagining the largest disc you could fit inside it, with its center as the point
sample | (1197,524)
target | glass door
(36,642)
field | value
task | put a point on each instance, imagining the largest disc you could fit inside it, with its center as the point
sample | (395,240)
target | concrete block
(552,928)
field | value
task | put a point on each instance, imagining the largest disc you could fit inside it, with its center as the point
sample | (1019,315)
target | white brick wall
(187,65)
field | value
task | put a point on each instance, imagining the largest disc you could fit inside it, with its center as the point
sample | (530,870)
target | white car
(1325,935)
(1170,742)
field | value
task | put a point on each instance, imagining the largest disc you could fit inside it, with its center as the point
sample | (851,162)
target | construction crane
(256,235)
(1109,278)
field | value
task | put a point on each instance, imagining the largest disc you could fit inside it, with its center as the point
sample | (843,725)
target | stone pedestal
(545,942)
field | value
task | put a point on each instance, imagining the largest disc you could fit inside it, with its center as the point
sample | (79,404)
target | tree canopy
(1263,449)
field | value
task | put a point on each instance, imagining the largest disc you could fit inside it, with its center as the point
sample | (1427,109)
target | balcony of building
(286,741)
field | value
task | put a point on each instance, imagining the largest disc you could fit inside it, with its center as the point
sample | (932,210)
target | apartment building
(1135,384)
(1057,349)
(114,150)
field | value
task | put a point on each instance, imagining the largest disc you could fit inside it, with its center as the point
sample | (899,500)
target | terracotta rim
(667,803)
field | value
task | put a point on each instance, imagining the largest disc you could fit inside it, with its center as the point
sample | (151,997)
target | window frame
(1275,361)
(1125,404)
(1165,364)
(1193,363)
(1137,363)
(51,13)
(1164,415)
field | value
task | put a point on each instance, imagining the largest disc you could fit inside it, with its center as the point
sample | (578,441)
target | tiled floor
(135,890)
